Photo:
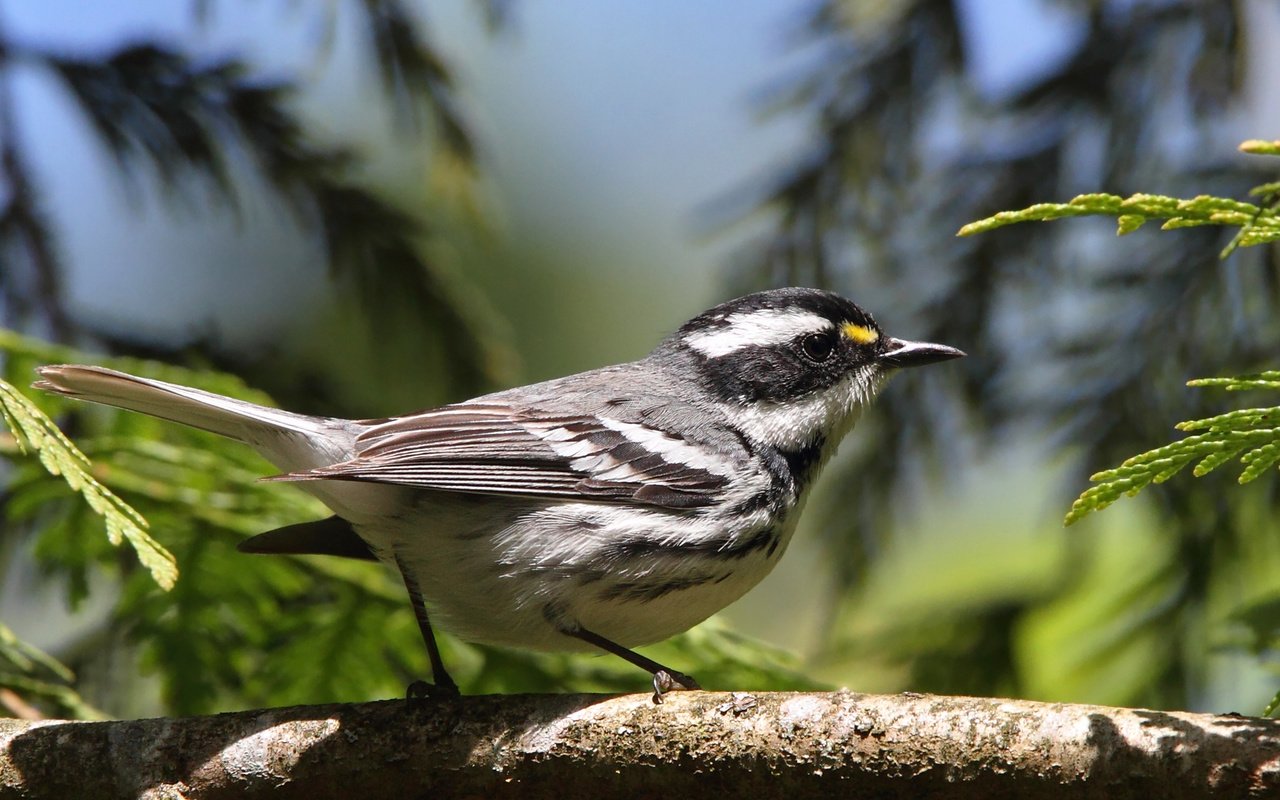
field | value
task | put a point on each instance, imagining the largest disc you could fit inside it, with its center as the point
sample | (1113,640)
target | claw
(665,680)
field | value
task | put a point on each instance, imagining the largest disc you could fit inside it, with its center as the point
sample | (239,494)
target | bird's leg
(664,678)
(443,684)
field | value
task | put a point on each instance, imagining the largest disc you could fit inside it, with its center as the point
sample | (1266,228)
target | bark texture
(768,745)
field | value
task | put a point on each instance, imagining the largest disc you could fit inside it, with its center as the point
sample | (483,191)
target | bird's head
(791,365)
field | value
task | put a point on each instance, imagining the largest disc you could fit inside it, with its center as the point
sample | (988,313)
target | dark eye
(818,346)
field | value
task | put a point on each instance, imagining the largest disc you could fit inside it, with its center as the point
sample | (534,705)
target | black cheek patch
(772,374)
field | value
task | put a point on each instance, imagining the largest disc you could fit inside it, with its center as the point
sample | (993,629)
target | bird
(600,511)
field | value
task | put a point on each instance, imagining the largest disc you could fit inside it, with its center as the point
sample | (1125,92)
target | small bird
(600,511)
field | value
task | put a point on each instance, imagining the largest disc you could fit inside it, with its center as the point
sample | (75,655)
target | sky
(597,123)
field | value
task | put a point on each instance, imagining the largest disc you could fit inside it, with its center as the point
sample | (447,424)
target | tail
(291,441)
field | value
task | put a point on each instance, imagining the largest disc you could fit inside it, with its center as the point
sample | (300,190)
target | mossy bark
(767,745)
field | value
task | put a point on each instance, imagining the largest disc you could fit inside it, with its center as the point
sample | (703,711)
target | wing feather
(490,448)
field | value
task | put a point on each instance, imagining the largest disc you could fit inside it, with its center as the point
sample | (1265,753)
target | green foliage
(23,668)
(1260,147)
(1251,434)
(35,675)
(1055,617)
(33,431)
(1258,224)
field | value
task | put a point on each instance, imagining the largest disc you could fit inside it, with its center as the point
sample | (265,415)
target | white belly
(518,572)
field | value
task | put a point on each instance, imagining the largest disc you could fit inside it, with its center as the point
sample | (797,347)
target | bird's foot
(666,680)
(421,691)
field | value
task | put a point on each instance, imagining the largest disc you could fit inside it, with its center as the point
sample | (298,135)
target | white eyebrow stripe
(763,328)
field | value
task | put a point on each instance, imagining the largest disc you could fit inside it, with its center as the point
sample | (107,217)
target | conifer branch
(1251,435)
(34,432)
(1259,224)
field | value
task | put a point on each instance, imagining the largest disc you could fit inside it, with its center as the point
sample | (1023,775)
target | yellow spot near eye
(860,334)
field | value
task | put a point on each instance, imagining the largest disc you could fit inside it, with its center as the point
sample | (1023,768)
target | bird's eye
(818,346)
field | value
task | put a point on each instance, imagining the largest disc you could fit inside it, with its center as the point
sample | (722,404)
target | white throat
(829,413)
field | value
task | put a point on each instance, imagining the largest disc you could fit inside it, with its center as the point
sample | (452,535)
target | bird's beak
(916,354)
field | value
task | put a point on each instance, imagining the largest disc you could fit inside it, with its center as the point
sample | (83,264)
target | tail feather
(326,537)
(290,440)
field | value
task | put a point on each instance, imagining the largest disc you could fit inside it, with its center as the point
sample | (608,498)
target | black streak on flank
(722,547)
(644,592)
(765,538)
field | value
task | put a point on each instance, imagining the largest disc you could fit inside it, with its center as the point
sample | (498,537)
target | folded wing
(491,448)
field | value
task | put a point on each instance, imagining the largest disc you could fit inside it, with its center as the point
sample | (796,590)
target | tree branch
(750,745)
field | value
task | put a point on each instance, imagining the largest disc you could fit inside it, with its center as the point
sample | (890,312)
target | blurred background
(362,207)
